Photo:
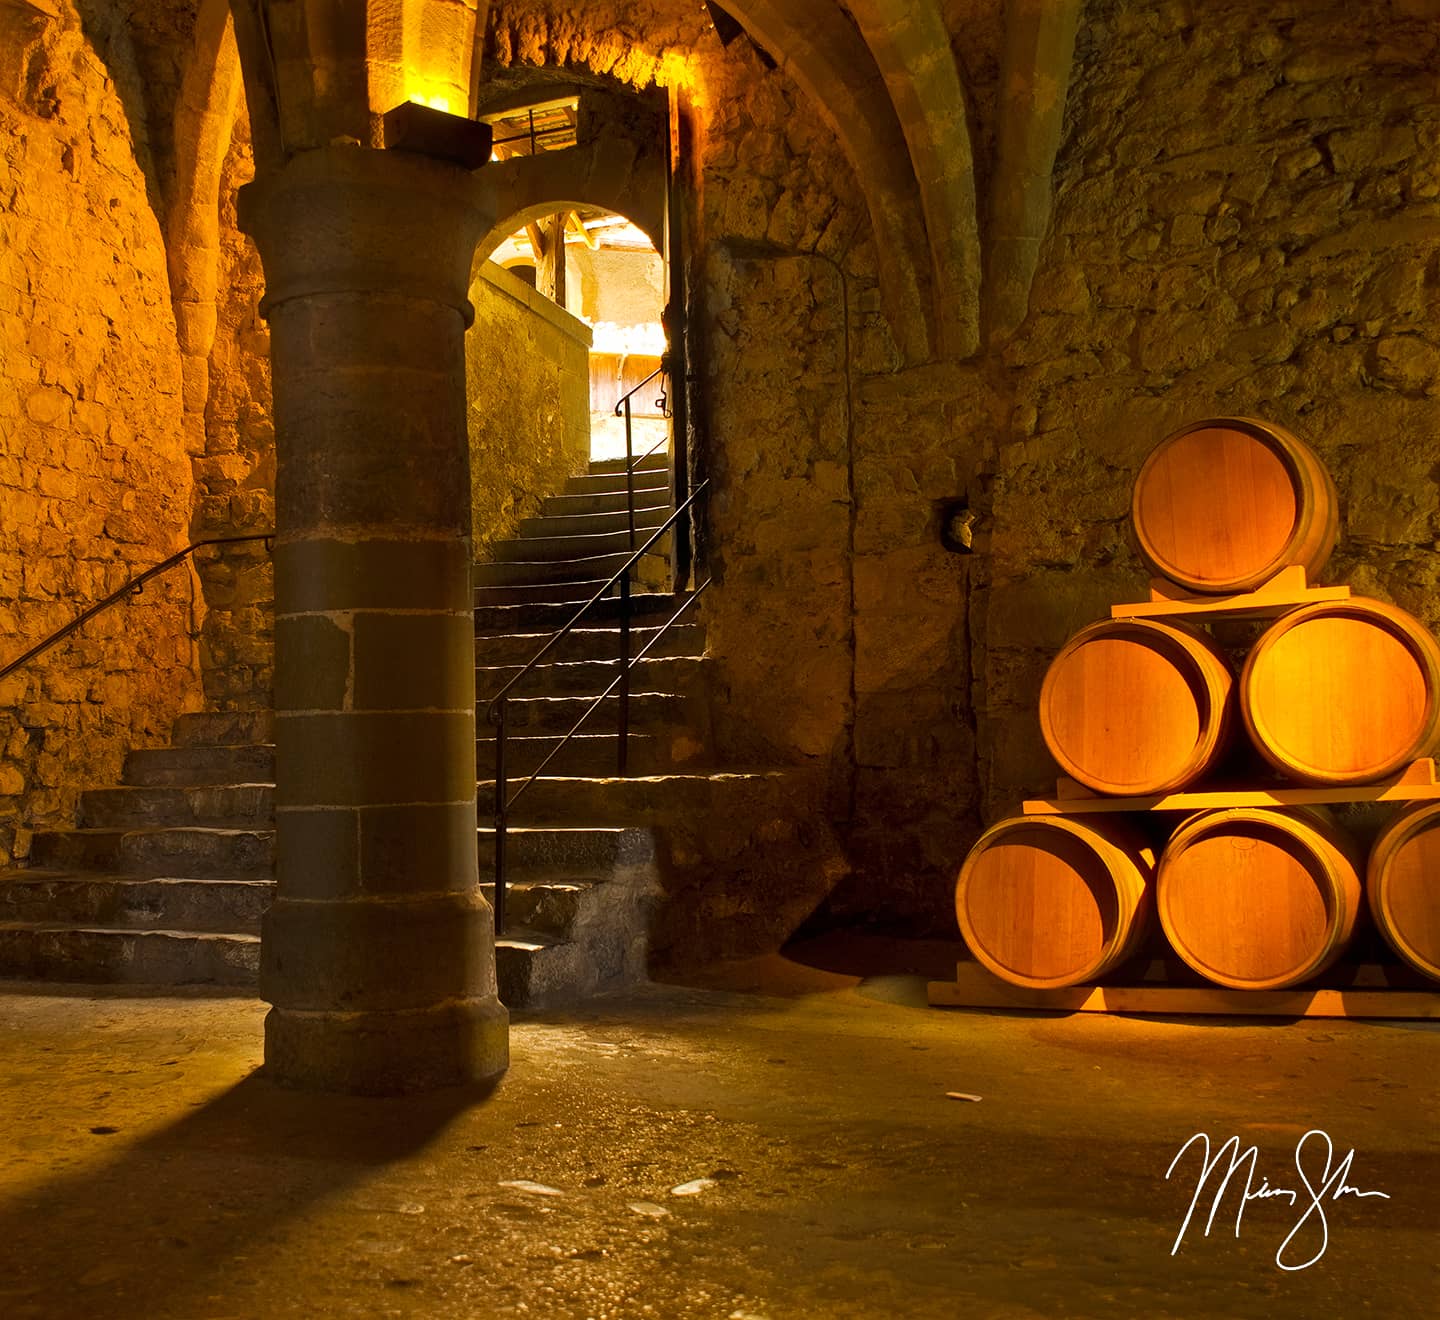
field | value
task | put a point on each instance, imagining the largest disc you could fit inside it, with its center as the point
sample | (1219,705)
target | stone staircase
(165,878)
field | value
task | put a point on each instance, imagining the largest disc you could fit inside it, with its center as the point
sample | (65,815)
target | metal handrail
(132,587)
(495,711)
(662,369)
(631,462)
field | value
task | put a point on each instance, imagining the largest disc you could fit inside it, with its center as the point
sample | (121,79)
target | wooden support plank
(1415,784)
(1287,590)
(973,987)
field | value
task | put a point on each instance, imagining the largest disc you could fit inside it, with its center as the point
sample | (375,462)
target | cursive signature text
(1323,1183)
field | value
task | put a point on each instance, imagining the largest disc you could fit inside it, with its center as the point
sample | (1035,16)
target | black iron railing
(133,587)
(504,799)
(622,408)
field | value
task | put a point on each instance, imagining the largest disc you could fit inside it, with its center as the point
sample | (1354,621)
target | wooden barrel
(1402,884)
(1343,692)
(1048,901)
(1136,706)
(1258,899)
(1224,504)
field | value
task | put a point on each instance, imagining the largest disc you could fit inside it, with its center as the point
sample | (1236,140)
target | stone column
(378,954)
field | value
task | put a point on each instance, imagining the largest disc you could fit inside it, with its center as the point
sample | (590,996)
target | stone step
(134,902)
(590,754)
(536,970)
(649,711)
(571,506)
(560,909)
(231,728)
(568,852)
(583,547)
(105,955)
(592,643)
(593,524)
(160,766)
(218,806)
(656,462)
(638,800)
(570,595)
(528,573)
(196,852)
(510,617)
(591,677)
(651,481)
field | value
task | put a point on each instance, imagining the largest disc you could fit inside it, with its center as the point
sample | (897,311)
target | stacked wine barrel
(1336,692)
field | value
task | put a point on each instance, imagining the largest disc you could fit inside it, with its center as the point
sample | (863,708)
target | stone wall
(94,481)
(235,476)
(527,379)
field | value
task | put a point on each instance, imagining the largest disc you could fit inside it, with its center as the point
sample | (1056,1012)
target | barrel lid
(1134,706)
(1401,884)
(1343,692)
(1249,898)
(1037,904)
(1219,505)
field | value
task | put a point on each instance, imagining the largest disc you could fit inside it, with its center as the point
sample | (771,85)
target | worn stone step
(536,970)
(570,506)
(560,909)
(591,677)
(155,767)
(590,754)
(583,547)
(568,852)
(198,852)
(659,461)
(537,572)
(590,643)
(649,712)
(593,524)
(226,728)
(222,806)
(650,480)
(637,800)
(570,595)
(135,902)
(510,617)
(104,955)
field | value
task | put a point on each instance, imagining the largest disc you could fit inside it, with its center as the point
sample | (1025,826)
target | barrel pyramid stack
(1255,888)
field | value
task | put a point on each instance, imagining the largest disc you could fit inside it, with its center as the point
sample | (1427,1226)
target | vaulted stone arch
(328,69)
(912,49)
(823,51)
(1034,83)
(204,119)
(602,174)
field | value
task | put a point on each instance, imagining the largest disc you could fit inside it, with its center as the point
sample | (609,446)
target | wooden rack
(1287,590)
(1368,995)
(974,987)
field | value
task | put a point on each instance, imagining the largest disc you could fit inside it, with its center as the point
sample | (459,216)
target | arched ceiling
(882,74)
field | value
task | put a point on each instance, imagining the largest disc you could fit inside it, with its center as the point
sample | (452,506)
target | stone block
(374,759)
(315,673)
(359,955)
(414,661)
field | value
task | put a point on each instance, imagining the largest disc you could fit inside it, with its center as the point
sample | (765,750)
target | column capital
(352,219)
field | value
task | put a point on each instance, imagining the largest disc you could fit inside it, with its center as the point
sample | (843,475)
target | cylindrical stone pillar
(378,954)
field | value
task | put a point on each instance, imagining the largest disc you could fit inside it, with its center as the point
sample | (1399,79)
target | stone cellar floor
(770,1140)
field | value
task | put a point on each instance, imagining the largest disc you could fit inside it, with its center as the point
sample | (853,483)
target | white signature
(1331,1185)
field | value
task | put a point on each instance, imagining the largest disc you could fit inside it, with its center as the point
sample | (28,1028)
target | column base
(456,1043)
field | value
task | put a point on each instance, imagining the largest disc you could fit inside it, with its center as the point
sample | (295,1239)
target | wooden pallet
(1416,783)
(974,987)
(1286,591)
